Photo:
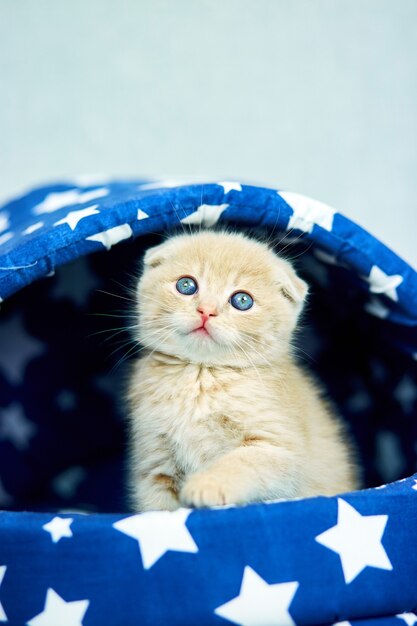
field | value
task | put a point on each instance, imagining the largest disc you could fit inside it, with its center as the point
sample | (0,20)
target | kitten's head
(218,298)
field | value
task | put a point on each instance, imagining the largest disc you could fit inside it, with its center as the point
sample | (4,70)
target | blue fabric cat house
(66,253)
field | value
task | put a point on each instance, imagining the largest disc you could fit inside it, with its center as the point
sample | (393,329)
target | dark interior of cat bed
(67,254)
(65,347)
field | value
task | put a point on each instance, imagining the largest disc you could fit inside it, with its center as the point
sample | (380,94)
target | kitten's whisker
(271,234)
(252,338)
(256,352)
(297,256)
(128,288)
(133,349)
(180,223)
(164,338)
(121,346)
(120,329)
(312,359)
(121,315)
(253,364)
(137,347)
(115,295)
(201,203)
(261,344)
(291,242)
(149,320)
(118,332)
(158,330)
(151,298)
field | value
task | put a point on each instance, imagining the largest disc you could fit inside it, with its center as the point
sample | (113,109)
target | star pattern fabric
(58,611)
(142,215)
(55,201)
(15,427)
(3,616)
(409,618)
(74,217)
(380,282)
(230,186)
(307,212)
(157,533)
(64,252)
(72,203)
(4,221)
(357,539)
(59,527)
(206,215)
(18,348)
(260,603)
(109,238)
(5,497)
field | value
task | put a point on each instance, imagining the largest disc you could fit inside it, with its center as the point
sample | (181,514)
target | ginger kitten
(220,413)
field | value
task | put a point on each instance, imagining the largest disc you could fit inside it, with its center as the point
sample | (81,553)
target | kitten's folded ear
(156,255)
(292,286)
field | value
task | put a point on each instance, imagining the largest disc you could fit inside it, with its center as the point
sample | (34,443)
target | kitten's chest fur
(192,406)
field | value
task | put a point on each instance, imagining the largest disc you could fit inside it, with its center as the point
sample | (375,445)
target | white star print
(6,237)
(57,611)
(31,229)
(17,349)
(383,283)
(3,616)
(406,393)
(5,497)
(307,212)
(157,532)
(409,618)
(342,624)
(415,485)
(15,427)
(4,221)
(330,259)
(230,186)
(205,214)
(260,603)
(67,483)
(375,307)
(356,539)
(389,459)
(142,215)
(55,201)
(112,236)
(59,527)
(74,217)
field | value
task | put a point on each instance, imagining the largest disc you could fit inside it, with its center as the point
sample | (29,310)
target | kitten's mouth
(201,331)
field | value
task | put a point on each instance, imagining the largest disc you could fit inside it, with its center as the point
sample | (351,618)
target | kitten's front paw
(203,490)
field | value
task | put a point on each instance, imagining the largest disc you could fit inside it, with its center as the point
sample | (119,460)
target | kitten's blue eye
(241,300)
(186,285)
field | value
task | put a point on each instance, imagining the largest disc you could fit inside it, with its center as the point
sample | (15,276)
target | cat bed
(67,254)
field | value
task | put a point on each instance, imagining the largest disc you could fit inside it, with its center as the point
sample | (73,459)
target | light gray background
(316,96)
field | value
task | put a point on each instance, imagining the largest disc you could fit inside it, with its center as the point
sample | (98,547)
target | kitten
(220,412)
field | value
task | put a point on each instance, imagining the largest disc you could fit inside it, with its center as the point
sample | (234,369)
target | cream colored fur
(226,418)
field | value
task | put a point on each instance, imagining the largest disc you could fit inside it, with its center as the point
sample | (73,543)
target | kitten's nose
(206,311)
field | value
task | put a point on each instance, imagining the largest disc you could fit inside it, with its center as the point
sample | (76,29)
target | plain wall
(315,96)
